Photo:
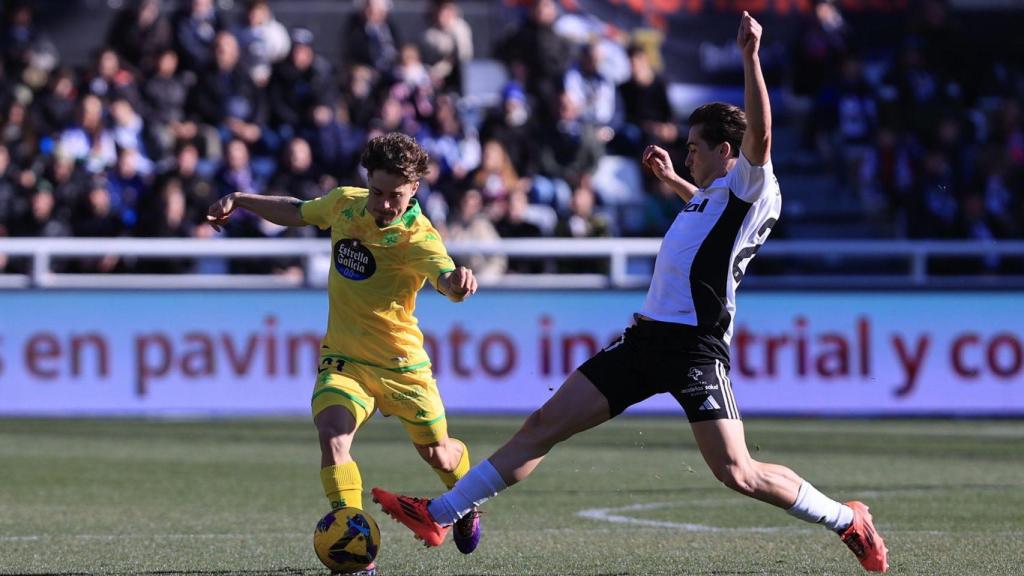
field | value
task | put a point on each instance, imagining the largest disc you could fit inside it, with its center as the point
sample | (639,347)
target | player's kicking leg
(724,448)
(450,459)
(577,406)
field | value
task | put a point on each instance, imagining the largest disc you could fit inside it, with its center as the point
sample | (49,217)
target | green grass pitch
(222,497)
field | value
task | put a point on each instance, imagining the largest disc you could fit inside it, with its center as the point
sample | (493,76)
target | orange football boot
(413,513)
(865,543)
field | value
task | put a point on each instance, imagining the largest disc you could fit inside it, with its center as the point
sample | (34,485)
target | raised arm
(757,140)
(282,210)
(658,161)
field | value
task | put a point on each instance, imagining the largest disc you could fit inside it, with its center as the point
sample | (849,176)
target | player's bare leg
(336,428)
(723,445)
(577,406)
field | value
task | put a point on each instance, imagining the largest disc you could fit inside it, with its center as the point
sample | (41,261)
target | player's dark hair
(720,122)
(396,153)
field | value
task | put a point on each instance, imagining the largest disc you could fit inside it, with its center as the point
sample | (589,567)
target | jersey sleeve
(749,183)
(429,258)
(321,212)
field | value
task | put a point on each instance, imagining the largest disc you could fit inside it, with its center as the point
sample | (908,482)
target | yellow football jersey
(375,275)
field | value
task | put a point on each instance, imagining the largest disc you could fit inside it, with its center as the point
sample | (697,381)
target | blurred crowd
(926,134)
(185,102)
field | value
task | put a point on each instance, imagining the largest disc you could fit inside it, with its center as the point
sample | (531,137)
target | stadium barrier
(780,263)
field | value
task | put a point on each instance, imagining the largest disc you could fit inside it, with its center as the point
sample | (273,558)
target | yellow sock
(343,485)
(450,478)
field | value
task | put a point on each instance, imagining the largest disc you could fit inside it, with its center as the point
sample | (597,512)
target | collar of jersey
(408,218)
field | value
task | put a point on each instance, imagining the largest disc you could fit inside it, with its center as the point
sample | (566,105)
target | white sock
(813,506)
(479,485)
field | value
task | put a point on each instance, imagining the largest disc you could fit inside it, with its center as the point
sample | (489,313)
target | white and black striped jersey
(704,254)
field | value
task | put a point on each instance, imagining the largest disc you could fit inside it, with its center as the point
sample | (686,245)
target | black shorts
(656,357)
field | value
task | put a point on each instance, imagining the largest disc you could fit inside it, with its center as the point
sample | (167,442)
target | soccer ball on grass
(346,540)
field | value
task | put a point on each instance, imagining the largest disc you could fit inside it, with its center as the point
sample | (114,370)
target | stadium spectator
(296,176)
(470,223)
(129,131)
(168,219)
(199,191)
(591,91)
(89,141)
(41,218)
(336,140)
(446,45)
(195,28)
(360,95)
(647,116)
(371,38)
(512,124)
(496,178)
(514,224)
(19,134)
(28,55)
(821,45)
(96,217)
(166,96)
(541,54)
(8,194)
(299,83)
(230,102)
(583,222)
(569,149)
(54,108)
(453,145)
(129,188)
(236,175)
(263,40)
(109,80)
(140,33)
(69,183)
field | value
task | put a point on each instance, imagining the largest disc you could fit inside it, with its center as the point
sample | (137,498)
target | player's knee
(334,440)
(741,478)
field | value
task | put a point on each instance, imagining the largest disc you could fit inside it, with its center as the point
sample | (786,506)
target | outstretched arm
(282,210)
(458,284)
(757,140)
(658,161)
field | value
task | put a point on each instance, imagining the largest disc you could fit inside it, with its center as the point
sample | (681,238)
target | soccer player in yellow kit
(372,357)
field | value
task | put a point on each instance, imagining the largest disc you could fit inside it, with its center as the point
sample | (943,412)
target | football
(346,540)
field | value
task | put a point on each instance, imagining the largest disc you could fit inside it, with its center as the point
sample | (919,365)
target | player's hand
(461,283)
(749,36)
(657,160)
(219,211)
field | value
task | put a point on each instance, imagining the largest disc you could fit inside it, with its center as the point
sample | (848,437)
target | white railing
(630,262)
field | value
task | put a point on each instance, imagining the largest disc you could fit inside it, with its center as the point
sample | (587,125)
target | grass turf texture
(242,497)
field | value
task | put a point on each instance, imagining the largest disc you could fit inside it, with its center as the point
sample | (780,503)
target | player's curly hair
(396,153)
(720,122)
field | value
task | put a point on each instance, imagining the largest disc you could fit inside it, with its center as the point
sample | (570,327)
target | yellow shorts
(412,396)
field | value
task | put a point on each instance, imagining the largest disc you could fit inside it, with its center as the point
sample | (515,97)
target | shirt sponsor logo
(696,207)
(353,260)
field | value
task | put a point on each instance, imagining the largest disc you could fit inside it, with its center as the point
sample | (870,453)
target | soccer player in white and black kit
(679,343)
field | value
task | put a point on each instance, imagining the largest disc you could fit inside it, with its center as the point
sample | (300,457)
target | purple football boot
(467,532)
